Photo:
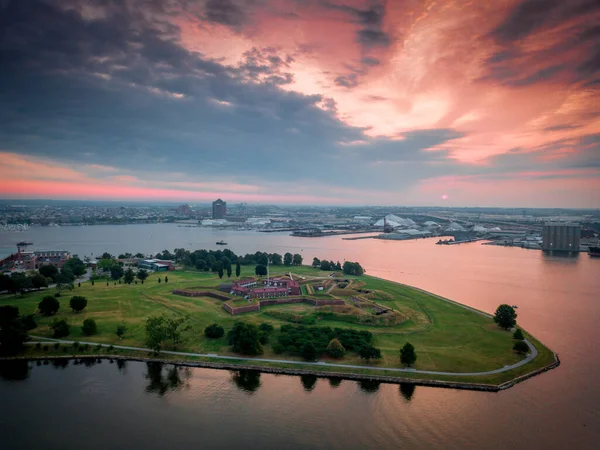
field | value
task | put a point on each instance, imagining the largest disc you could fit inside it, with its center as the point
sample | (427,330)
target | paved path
(530,356)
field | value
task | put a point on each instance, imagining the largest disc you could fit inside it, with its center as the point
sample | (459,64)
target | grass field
(446,337)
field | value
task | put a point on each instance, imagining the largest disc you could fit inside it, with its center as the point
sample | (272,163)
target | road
(530,357)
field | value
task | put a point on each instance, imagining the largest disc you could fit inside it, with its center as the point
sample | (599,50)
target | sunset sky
(398,102)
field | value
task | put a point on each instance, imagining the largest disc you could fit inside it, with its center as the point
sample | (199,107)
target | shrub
(78,303)
(61,328)
(110,348)
(45,348)
(56,345)
(38,346)
(86,347)
(76,345)
(521,347)
(57,294)
(518,335)
(49,306)
(29,322)
(214,331)
(89,327)
(335,349)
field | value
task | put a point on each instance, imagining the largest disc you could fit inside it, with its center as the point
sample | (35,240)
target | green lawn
(446,337)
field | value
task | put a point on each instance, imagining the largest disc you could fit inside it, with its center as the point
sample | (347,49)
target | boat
(23,243)
(514,306)
(221,243)
(594,250)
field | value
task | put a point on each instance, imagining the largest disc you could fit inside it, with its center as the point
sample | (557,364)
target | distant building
(219,209)
(561,236)
(156,265)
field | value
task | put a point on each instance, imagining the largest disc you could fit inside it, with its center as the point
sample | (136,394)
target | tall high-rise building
(561,236)
(219,209)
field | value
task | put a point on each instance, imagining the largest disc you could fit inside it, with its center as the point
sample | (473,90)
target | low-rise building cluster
(270,288)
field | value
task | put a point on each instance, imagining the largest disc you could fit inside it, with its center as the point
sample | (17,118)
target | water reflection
(160,382)
(309,382)
(246,380)
(407,391)
(369,386)
(60,363)
(334,381)
(122,365)
(16,370)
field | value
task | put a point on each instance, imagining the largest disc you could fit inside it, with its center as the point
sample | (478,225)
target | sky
(333,102)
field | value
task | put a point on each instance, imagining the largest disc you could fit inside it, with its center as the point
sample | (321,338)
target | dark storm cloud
(117,89)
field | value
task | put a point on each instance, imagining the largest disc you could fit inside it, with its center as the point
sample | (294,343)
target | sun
(444,196)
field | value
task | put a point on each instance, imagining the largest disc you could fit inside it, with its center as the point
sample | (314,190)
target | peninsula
(455,344)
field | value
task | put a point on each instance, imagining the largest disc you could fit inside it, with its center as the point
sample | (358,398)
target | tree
(200,264)
(29,322)
(407,354)
(335,349)
(166,279)
(129,276)
(39,281)
(214,331)
(106,255)
(369,352)
(78,303)
(159,280)
(116,272)
(49,305)
(518,334)
(309,351)
(505,316)
(12,330)
(238,269)
(121,329)
(163,329)
(142,275)
(75,265)
(48,271)
(229,271)
(61,328)
(287,259)
(352,268)
(260,270)
(220,270)
(325,265)
(316,262)
(89,327)
(297,260)
(521,347)
(244,338)
(275,259)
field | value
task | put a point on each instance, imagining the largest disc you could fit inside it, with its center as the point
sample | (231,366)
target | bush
(49,306)
(45,348)
(56,345)
(89,327)
(29,322)
(61,328)
(38,346)
(518,335)
(78,303)
(86,347)
(521,347)
(57,294)
(110,348)
(76,345)
(214,331)
(335,349)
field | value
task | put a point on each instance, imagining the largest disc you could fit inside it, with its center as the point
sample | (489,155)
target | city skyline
(302,102)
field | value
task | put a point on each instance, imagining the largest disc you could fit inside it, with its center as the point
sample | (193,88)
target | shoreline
(481,387)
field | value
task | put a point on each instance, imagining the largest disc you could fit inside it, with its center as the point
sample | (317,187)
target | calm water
(105,407)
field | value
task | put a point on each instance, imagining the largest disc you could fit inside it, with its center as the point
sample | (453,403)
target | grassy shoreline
(448,336)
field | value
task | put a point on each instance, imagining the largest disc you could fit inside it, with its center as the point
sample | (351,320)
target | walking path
(530,357)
